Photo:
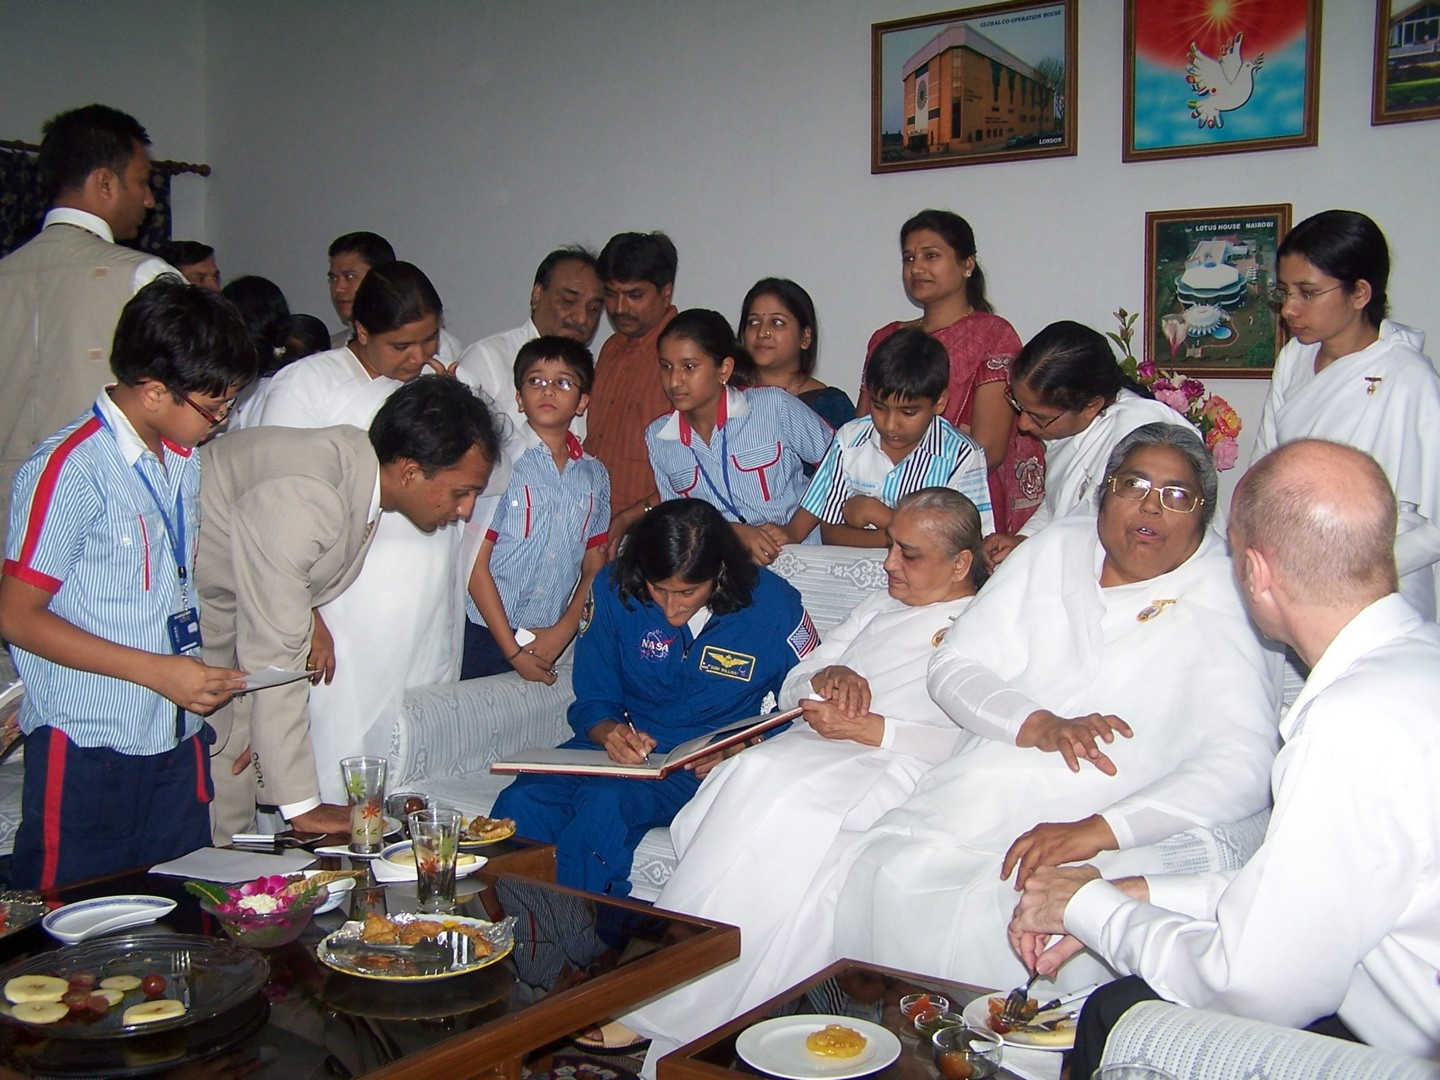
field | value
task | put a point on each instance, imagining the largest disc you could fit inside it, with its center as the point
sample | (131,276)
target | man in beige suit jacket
(287,517)
(61,293)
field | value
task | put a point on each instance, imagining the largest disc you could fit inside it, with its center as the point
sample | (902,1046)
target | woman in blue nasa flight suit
(684,635)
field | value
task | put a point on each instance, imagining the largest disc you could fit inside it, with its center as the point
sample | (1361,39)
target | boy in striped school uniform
(98,603)
(550,526)
(902,445)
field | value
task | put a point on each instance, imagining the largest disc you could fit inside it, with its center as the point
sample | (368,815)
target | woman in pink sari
(939,271)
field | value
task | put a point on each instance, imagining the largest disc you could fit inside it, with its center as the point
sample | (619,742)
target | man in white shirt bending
(1334,924)
(61,293)
(566,299)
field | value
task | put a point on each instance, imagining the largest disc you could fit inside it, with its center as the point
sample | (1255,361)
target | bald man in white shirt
(1334,924)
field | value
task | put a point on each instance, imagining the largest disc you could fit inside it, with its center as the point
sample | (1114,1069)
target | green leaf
(209,891)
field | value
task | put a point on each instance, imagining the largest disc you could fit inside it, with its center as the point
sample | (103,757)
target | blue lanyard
(176,532)
(724,472)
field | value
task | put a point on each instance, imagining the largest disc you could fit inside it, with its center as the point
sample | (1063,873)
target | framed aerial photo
(1407,62)
(982,84)
(1203,77)
(1208,276)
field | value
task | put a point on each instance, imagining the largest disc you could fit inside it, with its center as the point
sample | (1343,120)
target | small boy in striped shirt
(98,601)
(902,445)
(546,541)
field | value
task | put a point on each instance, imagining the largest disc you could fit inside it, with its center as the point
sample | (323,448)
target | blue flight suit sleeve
(599,689)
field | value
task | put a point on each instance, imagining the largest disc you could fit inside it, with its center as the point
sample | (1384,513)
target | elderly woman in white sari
(1154,644)
(870,732)
(1136,636)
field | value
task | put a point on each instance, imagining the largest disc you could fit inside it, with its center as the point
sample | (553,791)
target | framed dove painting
(1220,76)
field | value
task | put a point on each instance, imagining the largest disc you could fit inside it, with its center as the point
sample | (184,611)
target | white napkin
(1032,1064)
(385,871)
(229,865)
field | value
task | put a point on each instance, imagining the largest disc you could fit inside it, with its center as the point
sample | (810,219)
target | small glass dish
(270,930)
(910,1004)
(395,807)
(962,1053)
(929,1021)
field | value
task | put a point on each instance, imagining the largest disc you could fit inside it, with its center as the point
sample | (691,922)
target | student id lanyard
(183,626)
(728,503)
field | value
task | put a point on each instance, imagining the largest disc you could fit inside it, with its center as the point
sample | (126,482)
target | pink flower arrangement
(1211,414)
(263,896)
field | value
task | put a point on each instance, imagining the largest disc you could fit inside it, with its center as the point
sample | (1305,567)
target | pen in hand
(631,725)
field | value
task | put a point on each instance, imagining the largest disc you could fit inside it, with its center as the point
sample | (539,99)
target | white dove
(1220,86)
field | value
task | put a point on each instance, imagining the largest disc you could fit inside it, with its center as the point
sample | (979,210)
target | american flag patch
(803,638)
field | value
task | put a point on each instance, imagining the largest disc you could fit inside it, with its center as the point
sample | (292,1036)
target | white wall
(143,56)
(477,136)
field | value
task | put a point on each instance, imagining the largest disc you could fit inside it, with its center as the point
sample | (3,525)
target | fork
(1016,1000)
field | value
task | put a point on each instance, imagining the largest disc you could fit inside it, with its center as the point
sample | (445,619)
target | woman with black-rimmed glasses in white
(1350,375)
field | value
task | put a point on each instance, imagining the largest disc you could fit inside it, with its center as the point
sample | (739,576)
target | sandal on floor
(610,1038)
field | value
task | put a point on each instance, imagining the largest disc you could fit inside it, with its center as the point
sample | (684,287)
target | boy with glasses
(550,527)
(98,602)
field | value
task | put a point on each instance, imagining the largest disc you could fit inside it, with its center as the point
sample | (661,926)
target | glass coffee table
(578,959)
(848,988)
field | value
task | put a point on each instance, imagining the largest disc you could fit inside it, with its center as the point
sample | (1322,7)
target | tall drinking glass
(435,836)
(364,778)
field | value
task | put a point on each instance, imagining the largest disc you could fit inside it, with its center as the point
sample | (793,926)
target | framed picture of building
(1208,276)
(983,84)
(1407,62)
(1208,78)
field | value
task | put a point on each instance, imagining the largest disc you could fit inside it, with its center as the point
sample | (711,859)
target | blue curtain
(23,204)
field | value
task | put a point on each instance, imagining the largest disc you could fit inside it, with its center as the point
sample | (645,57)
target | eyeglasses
(211,418)
(563,383)
(1038,421)
(1136,488)
(1280,296)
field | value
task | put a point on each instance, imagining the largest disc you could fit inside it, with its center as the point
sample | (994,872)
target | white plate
(337,891)
(778,1047)
(84,919)
(399,871)
(977,1015)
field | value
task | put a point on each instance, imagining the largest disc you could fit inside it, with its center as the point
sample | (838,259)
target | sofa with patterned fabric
(446,736)
(1195,1044)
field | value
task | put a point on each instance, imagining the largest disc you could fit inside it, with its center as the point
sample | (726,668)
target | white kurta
(920,890)
(794,794)
(1075,466)
(1384,400)
(401,623)
(1339,910)
(1191,678)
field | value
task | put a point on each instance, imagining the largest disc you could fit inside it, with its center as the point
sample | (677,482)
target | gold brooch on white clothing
(1152,609)
(1374,381)
(939,635)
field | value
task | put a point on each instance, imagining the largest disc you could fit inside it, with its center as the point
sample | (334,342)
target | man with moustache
(638,271)
(565,300)
(195,261)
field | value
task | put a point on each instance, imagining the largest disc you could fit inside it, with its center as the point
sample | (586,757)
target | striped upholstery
(1193,1044)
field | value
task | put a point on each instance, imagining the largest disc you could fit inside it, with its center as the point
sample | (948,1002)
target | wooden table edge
(680,1065)
(499,1052)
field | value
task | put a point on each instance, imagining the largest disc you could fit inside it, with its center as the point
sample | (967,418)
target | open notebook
(598,763)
